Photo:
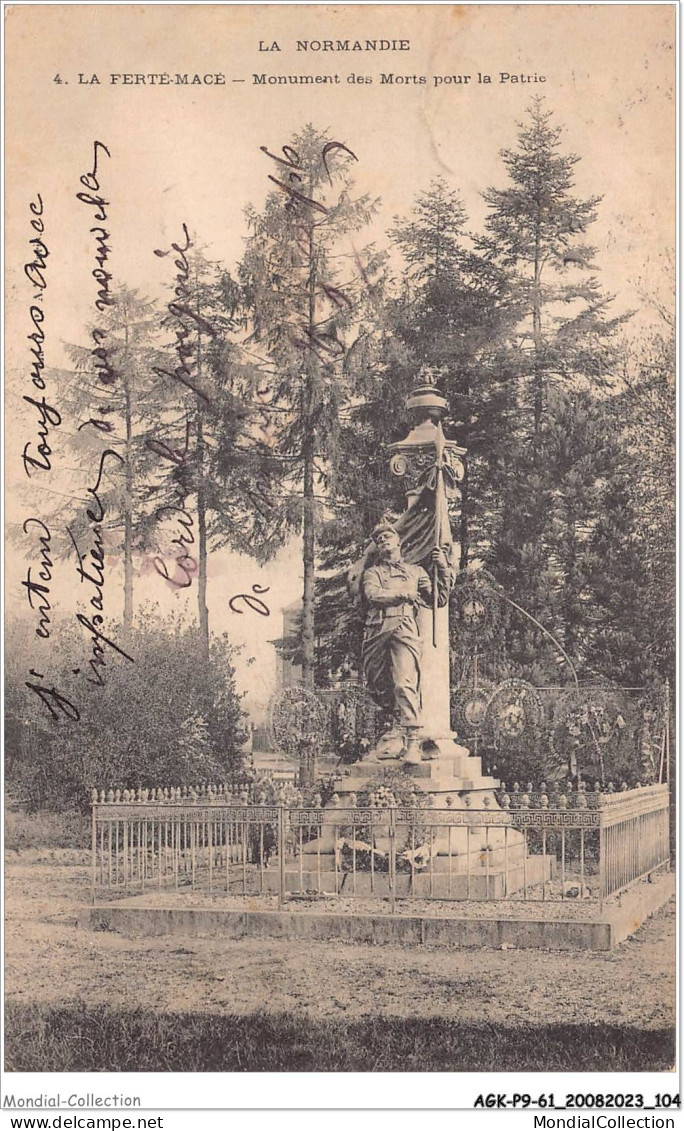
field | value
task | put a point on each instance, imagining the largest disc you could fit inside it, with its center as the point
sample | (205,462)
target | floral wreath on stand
(297,714)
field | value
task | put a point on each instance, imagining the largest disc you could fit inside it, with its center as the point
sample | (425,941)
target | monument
(403,584)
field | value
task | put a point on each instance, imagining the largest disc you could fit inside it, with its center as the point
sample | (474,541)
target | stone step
(445,783)
(445,767)
(460,765)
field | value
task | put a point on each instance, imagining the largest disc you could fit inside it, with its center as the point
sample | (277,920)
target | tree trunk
(537,340)
(128,500)
(203,610)
(308,456)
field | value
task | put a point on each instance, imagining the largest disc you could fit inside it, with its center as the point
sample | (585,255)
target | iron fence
(533,847)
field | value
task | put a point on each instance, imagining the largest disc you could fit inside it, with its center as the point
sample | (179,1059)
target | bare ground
(49,960)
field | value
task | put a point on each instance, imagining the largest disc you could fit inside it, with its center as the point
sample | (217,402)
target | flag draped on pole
(423,526)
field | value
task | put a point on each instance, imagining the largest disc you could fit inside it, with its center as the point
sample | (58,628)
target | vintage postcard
(340,552)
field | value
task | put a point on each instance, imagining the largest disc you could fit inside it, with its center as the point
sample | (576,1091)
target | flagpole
(434,604)
(439,489)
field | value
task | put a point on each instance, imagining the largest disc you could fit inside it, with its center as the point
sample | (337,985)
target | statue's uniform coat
(391,643)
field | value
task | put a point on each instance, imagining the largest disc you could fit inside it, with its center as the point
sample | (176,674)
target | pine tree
(536,231)
(304,293)
(446,309)
(455,314)
(634,547)
(584,470)
(536,228)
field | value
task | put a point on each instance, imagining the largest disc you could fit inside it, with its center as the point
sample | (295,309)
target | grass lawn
(99,1038)
(81,1000)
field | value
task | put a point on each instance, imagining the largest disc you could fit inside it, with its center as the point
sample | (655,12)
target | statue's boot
(390,746)
(413,755)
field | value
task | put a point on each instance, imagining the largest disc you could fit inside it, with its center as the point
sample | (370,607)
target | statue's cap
(382,528)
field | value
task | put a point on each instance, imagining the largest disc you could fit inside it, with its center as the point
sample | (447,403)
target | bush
(44,829)
(170,716)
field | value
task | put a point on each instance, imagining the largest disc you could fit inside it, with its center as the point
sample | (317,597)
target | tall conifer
(305,284)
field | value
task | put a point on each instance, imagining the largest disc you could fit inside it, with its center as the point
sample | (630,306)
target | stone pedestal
(455,781)
(450,773)
(464,856)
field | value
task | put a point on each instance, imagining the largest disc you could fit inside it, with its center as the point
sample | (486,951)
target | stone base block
(478,883)
(446,767)
(611,925)
(498,843)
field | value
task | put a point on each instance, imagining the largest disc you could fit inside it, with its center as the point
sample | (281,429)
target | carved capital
(415,462)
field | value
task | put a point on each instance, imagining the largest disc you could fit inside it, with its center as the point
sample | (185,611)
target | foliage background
(566,405)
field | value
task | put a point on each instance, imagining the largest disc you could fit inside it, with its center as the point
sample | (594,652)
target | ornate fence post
(392,860)
(281,855)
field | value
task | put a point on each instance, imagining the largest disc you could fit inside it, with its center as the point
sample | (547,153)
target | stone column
(434,682)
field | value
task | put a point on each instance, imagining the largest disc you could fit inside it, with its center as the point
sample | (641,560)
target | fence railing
(534,847)
(635,832)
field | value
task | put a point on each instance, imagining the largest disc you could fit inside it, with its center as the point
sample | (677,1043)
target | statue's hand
(438,558)
(404,595)
(424,584)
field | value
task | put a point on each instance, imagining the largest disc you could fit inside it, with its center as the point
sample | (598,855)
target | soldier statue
(392,591)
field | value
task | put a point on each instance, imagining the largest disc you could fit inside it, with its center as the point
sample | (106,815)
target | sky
(191,154)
